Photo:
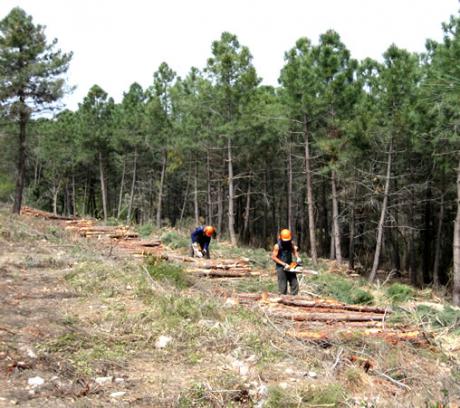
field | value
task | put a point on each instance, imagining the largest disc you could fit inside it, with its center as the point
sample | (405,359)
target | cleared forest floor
(86,322)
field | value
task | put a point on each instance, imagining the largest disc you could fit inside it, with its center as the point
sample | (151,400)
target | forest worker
(201,238)
(282,254)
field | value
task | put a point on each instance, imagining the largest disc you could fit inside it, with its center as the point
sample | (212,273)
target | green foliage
(398,292)
(6,187)
(167,272)
(278,397)
(145,230)
(448,317)
(341,289)
(175,240)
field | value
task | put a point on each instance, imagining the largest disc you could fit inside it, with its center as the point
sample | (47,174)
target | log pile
(214,268)
(319,320)
(140,247)
(32,212)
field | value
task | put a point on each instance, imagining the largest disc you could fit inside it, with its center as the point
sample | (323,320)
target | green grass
(342,289)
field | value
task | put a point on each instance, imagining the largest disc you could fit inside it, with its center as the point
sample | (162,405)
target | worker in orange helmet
(282,254)
(201,238)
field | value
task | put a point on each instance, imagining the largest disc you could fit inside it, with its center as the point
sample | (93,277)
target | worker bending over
(283,254)
(201,238)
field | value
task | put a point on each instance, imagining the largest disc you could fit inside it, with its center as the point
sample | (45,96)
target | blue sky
(116,42)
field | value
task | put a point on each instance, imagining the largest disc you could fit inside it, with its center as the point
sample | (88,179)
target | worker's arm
(295,252)
(275,256)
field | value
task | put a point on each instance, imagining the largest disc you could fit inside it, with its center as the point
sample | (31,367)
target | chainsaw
(298,268)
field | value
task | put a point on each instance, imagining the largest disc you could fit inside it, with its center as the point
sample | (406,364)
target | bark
(378,245)
(160,190)
(310,202)
(335,218)
(133,185)
(103,187)
(456,247)
(437,253)
(195,196)
(122,182)
(231,195)
(21,166)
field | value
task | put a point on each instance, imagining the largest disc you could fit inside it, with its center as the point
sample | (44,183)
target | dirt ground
(80,325)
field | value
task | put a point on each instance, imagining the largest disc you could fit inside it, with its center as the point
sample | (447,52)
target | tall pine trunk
(456,247)
(378,245)
(74,198)
(103,186)
(133,185)
(231,195)
(289,190)
(122,182)
(220,208)
(208,188)
(247,211)
(21,167)
(195,196)
(160,189)
(335,218)
(310,202)
(437,253)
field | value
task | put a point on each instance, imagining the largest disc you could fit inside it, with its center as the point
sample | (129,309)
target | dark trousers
(283,278)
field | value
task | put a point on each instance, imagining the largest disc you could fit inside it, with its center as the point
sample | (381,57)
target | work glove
(196,250)
(287,267)
(299,261)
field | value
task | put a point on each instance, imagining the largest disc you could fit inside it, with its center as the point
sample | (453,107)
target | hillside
(94,321)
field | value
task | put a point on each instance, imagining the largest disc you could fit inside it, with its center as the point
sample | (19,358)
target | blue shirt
(201,238)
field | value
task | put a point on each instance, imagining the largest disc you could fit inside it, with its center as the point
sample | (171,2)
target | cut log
(219,273)
(316,304)
(326,317)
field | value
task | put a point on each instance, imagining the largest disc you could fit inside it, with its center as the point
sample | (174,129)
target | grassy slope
(113,312)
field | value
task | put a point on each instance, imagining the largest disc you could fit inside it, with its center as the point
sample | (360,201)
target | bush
(145,230)
(175,240)
(164,271)
(398,292)
(341,289)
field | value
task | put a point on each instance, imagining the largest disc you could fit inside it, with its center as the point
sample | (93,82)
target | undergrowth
(342,289)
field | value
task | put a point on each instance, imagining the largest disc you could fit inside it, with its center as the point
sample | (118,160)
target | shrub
(164,271)
(398,292)
(175,240)
(145,230)
(341,289)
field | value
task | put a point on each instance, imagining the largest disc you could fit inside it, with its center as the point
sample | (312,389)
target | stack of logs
(214,268)
(43,214)
(320,320)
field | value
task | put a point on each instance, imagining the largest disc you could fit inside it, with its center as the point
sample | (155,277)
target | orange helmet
(209,230)
(285,235)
